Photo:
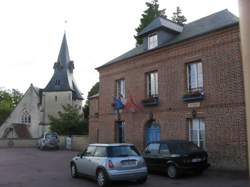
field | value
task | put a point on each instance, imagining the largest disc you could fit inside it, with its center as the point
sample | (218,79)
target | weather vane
(65,25)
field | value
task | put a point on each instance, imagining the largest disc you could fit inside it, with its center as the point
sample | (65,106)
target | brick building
(183,82)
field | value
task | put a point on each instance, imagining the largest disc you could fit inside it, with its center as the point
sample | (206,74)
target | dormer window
(57,82)
(152,41)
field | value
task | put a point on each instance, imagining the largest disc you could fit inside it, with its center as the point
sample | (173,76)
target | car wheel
(142,180)
(172,172)
(101,178)
(74,172)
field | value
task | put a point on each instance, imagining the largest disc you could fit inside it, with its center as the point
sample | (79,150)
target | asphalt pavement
(27,167)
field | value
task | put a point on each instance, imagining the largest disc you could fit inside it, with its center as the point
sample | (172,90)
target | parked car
(49,140)
(110,162)
(175,157)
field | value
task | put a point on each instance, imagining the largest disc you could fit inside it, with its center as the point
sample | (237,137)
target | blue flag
(118,103)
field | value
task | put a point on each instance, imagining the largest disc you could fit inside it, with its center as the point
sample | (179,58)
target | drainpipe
(244,7)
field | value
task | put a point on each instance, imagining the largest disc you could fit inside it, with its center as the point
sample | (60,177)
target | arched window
(26,117)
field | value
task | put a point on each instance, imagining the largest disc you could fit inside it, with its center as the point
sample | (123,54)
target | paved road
(34,168)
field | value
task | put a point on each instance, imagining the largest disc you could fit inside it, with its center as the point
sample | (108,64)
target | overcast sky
(97,31)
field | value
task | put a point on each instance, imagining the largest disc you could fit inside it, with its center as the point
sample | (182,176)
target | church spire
(63,80)
(63,57)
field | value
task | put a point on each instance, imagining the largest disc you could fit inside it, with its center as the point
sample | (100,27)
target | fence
(77,142)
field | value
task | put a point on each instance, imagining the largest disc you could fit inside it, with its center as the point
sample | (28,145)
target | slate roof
(163,23)
(193,29)
(63,71)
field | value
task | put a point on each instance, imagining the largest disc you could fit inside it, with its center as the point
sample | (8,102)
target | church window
(26,117)
(56,98)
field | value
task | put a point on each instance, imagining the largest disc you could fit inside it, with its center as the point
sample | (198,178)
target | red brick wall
(223,108)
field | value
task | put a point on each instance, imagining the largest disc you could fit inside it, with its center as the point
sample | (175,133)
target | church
(30,118)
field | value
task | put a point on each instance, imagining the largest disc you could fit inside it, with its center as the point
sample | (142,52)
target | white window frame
(194,78)
(26,117)
(201,129)
(152,84)
(152,41)
(120,88)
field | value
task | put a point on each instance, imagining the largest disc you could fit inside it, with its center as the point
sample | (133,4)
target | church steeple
(63,79)
(63,57)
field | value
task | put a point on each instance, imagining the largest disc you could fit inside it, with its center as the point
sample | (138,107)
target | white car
(49,140)
(110,162)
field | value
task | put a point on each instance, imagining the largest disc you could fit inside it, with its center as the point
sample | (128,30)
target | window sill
(193,96)
(151,101)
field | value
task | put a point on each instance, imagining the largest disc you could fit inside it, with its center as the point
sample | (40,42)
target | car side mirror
(80,155)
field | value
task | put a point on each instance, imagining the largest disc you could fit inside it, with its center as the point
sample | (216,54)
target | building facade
(30,118)
(184,82)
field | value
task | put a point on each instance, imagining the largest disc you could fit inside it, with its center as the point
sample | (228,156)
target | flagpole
(118,115)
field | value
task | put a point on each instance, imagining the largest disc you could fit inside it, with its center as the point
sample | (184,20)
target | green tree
(148,16)
(94,90)
(8,100)
(16,96)
(69,122)
(178,17)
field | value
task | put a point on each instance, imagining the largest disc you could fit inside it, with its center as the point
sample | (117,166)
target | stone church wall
(29,104)
(53,102)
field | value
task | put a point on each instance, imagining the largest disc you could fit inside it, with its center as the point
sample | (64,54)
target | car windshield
(51,136)
(122,151)
(183,147)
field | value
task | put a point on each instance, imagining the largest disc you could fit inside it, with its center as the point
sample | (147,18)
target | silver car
(49,140)
(110,162)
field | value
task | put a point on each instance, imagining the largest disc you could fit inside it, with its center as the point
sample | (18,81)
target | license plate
(196,159)
(129,162)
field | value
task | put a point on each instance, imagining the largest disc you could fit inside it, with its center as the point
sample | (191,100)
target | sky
(97,31)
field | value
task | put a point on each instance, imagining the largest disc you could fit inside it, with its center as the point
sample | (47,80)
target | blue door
(153,134)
